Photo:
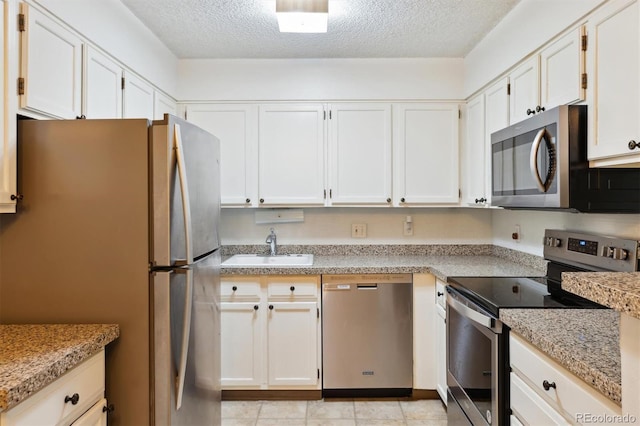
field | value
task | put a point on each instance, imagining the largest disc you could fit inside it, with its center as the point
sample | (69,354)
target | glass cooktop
(495,293)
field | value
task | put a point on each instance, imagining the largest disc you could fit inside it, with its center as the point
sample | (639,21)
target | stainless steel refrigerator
(119,224)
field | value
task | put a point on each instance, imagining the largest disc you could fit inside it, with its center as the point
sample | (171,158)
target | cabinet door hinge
(508,88)
(22,24)
(324,115)
(459,114)
(459,193)
(584,42)
(584,80)
(122,83)
(330,193)
(318,373)
(20,85)
(317,312)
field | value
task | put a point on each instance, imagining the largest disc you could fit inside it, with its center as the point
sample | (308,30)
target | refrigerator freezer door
(202,164)
(200,401)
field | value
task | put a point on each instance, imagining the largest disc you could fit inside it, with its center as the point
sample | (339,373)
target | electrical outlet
(358,230)
(516,235)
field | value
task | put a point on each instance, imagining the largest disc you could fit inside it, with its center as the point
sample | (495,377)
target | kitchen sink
(269,261)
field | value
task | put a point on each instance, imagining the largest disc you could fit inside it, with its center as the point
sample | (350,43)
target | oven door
(476,366)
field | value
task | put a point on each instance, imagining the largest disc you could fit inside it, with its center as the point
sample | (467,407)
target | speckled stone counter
(34,355)
(616,290)
(441,260)
(584,341)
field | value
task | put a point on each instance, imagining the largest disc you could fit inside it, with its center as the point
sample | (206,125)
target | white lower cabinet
(75,398)
(543,392)
(271,332)
(441,341)
(424,332)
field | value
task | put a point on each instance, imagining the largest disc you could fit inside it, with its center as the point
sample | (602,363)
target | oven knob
(620,254)
(553,242)
(607,251)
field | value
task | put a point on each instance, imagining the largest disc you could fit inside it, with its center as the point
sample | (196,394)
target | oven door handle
(472,314)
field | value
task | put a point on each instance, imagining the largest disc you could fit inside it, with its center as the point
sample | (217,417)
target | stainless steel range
(477,343)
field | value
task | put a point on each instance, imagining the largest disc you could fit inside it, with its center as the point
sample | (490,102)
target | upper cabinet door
(425,139)
(473,155)
(236,127)
(163,104)
(614,88)
(138,97)
(496,104)
(102,86)
(360,153)
(525,94)
(561,69)
(291,154)
(51,66)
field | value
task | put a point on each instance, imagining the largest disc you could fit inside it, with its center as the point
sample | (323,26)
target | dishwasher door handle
(367,286)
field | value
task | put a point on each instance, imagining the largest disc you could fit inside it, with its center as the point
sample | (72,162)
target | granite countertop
(616,290)
(34,355)
(442,266)
(584,341)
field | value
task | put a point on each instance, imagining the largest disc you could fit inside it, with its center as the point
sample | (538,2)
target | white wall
(319,79)
(533,223)
(110,25)
(384,226)
(527,27)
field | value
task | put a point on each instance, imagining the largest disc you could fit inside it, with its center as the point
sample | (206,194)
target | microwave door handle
(533,160)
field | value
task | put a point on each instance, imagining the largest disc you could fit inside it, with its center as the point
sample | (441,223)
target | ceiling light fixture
(302,16)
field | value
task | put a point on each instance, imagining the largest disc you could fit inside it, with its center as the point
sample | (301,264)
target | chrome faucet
(271,240)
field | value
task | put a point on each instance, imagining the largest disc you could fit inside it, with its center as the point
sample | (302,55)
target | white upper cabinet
(474,150)
(425,139)
(561,70)
(102,86)
(137,97)
(360,154)
(8,164)
(525,93)
(614,87)
(236,127)
(51,66)
(291,154)
(163,104)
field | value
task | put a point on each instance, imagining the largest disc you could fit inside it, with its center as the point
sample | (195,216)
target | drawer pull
(234,288)
(292,288)
(72,399)
(108,409)
(546,385)
(440,293)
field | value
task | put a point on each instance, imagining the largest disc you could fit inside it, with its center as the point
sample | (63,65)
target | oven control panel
(591,252)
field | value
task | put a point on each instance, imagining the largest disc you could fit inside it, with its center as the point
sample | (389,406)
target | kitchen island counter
(584,341)
(34,355)
(615,290)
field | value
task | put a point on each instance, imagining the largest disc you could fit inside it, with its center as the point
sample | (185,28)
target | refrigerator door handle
(186,321)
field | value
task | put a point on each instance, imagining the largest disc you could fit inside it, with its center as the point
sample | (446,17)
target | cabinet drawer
(292,289)
(529,407)
(571,394)
(48,406)
(240,290)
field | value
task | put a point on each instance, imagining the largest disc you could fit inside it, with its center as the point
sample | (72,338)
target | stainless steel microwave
(541,163)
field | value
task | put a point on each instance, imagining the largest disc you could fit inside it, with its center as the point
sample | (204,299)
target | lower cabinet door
(241,352)
(441,352)
(94,416)
(529,407)
(292,330)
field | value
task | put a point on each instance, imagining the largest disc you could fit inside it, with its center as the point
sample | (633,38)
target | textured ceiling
(357,28)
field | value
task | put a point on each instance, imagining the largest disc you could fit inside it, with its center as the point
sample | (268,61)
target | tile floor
(333,413)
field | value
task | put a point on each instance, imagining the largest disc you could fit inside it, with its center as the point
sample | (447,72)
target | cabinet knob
(255,307)
(108,409)
(234,288)
(402,200)
(271,307)
(388,200)
(262,200)
(72,399)
(632,145)
(439,293)
(530,111)
(546,385)
(248,201)
(480,200)
(292,288)
(81,117)
(539,108)
(17,197)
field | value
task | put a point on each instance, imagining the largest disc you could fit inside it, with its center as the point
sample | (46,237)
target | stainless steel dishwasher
(367,335)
